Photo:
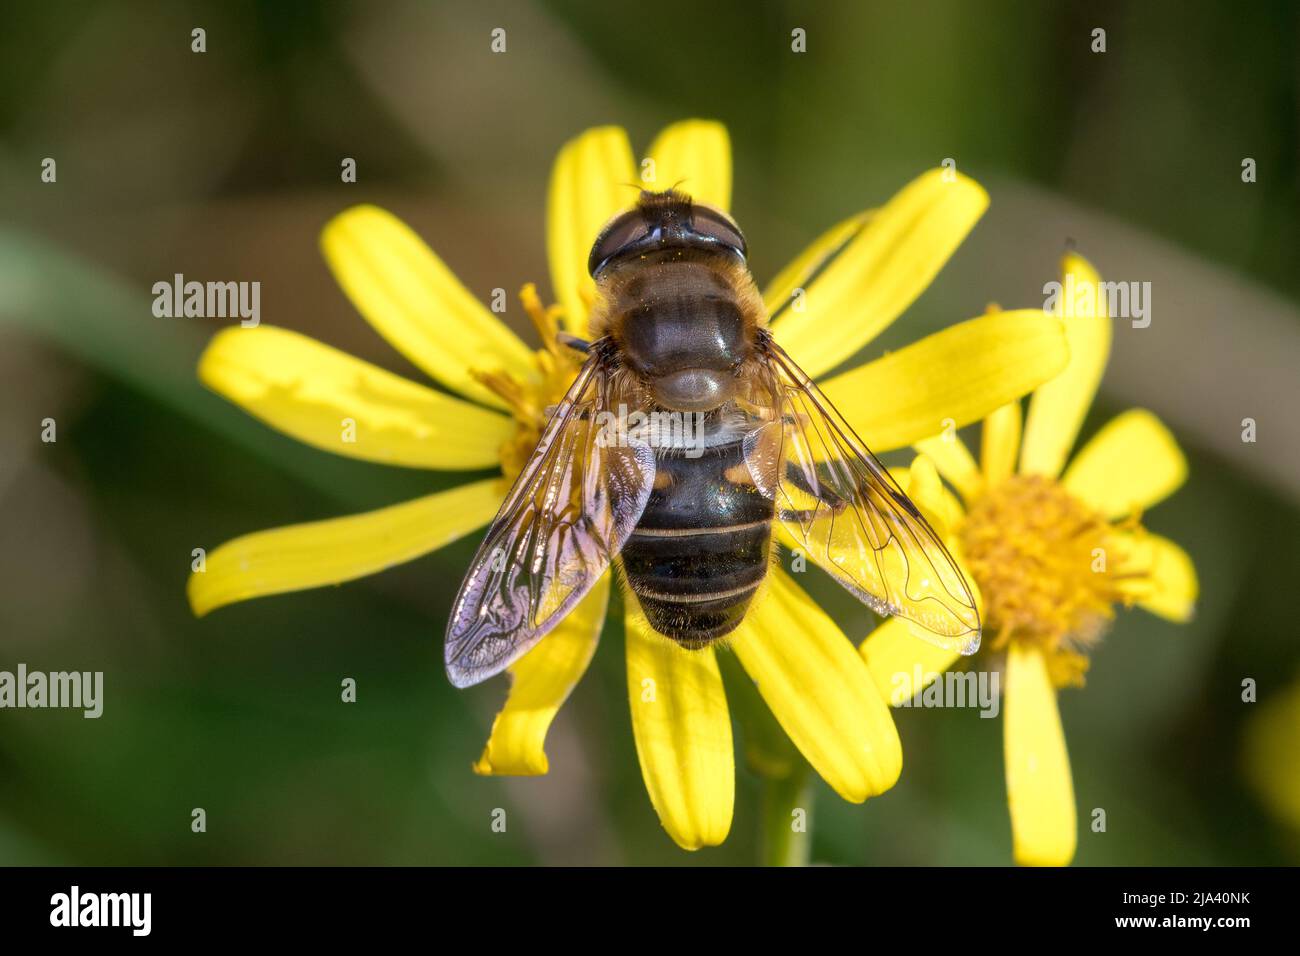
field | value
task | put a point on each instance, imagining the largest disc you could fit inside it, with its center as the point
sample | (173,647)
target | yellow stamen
(546,321)
(511,389)
(1045,569)
(557,365)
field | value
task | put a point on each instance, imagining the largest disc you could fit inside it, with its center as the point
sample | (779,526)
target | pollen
(1047,570)
(530,402)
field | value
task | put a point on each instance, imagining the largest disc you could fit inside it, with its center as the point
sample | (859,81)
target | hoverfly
(679,327)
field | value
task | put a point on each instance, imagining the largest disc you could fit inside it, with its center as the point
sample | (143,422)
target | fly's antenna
(573,342)
(676,193)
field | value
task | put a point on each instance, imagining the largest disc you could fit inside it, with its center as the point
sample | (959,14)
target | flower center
(1040,558)
(557,366)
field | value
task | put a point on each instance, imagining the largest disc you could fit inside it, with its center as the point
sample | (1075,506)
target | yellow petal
(999,443)
(936,502)
(589,184)
(901,664)
(819,690)
(683,734)
(695,154)
(540,683)
(333,401)
(1040,790)
(415,302)
(1131,464)
(949,379)
(954,461)
(1058,408)
(939,505)
(1166,582)
(801,269)
(881,271)
(310,555)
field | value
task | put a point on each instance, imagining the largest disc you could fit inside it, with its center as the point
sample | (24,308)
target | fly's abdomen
(700,550)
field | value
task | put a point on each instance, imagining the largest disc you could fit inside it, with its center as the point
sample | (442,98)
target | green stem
(787,818)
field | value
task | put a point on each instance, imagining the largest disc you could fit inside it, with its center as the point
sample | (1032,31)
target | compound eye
(623,230)
(717,226)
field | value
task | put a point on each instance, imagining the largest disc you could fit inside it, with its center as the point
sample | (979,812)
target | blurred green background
(225,165)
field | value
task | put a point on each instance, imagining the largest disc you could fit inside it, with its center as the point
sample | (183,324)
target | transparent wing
(567,516)
(850,517)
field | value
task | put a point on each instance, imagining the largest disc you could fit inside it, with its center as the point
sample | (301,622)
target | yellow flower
(1052,550)
(1269,757)
(805,668)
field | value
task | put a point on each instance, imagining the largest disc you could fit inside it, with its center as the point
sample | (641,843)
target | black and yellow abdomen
(700,550)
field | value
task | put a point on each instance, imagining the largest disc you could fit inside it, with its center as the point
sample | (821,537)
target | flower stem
(787,818)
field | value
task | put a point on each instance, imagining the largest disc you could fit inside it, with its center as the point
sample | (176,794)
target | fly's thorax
(685,321)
